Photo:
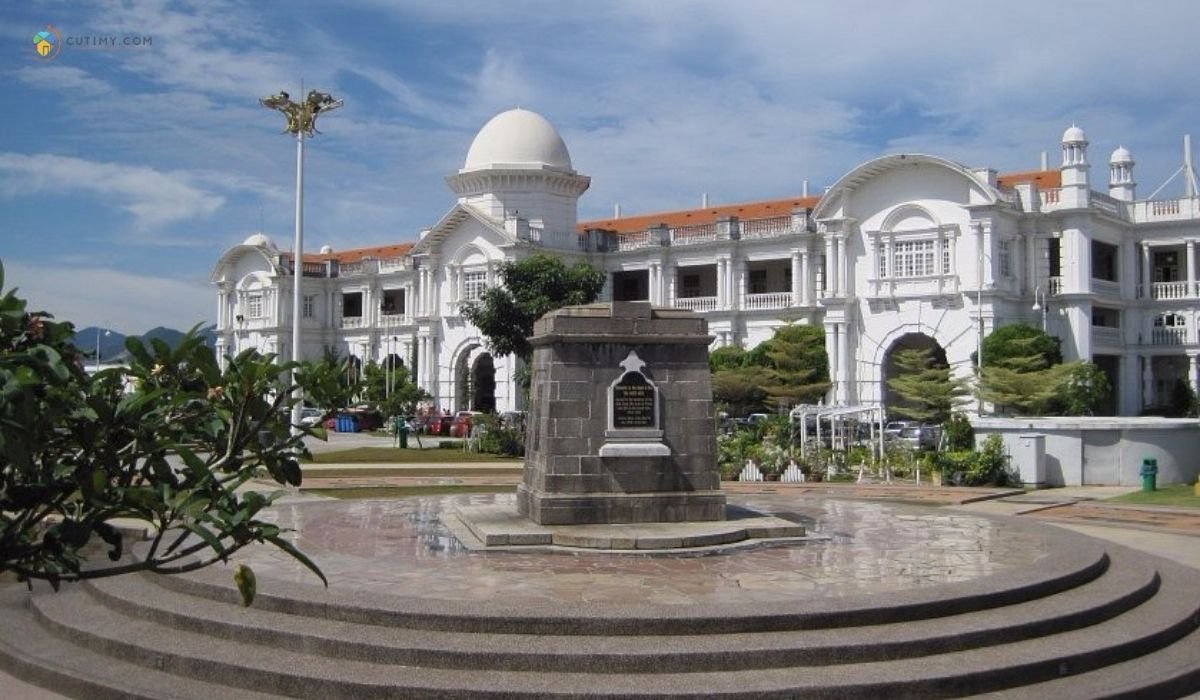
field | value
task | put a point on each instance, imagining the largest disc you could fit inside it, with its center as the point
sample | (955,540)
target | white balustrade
(696,303)
(1106,336)
(1050,196)
(352,269)
(393,264)
(1168,335)
(635,240)
(1170,290)
(1055,285)
(770,300)
(769,227)
(354,322)
(691,235)
(388,320)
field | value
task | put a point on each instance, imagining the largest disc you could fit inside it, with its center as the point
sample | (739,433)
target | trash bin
(402,432)
(347,423)
(1149,474)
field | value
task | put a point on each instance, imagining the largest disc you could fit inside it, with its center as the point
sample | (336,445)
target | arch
(910,217)
(483,383)
(230,257)
(255,280)
(832,200)
(889,368)
(471,255)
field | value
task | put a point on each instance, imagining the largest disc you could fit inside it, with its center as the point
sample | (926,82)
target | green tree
(1019,340)
(331,385)
(77,451)
(400,399)
(789,368)
(927,389)
(1022,384)
(1084,389)
(531,288)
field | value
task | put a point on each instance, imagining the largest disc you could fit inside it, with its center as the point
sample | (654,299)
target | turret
(1074,168)
(1120,175)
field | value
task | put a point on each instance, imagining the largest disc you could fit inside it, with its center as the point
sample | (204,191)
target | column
(1147,381)
(1146,289)
(654,280)
(844,361)
(721,283)
(830,266)
(831,351)
(806,271)
(741,282)
(221,320)
(669,278)
(1191,271)
(1194,370)
(843,262)
(797,284)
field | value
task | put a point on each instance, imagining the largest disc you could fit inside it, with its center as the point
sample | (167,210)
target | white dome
(1121,155)
(261,240)
(517,137)
(326,249)
(1074,135)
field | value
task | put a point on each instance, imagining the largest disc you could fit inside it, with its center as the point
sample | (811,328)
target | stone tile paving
(399,546)
(1171,520)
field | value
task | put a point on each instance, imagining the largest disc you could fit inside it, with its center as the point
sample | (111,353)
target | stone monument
(621,426)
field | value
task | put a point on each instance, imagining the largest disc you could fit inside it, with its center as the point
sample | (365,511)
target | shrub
(958,433)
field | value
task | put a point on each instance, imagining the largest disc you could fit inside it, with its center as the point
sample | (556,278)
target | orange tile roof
(1044,179)
(700,217)
(382,252)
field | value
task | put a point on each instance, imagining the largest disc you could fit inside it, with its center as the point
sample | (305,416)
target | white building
(903,251)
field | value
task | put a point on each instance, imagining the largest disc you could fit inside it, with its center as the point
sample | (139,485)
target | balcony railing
(393,264)
(1107,287)
(354,322)
(636,240)
(1165,210)
(691,235)
(696,303)
(766,228)
(561,240)
(1171,290)
(1106,336)
(1055,285)
(769,300)
(387,320)
(352,269)
(1050,196)
(1168,335)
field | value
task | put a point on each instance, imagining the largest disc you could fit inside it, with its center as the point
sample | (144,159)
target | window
(352,305)
(1170,321)
(473,285)
(881,255)
(1106,318)
(913,258)
(691,286)
(392,303)
(1005,258)
(1104,261)
(254,306)
(1055,257)
(945,258)
(758,281)
(308,306)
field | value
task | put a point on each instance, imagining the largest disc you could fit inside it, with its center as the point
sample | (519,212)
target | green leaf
(299,556)
(209,538)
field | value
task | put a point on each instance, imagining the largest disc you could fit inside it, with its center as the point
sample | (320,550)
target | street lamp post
(1043,307)
(301,121)
(106,334)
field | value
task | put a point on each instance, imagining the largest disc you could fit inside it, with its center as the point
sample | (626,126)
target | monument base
(482,527)
(591,508)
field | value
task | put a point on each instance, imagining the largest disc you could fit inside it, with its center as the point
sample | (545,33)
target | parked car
(919,437)
(513,419)
(311,416)
(893,429)
(461,426)
(438,424)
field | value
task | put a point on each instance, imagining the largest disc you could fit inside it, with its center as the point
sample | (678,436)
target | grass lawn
(1174,495)
(395,455)
(402,491)
(318,472)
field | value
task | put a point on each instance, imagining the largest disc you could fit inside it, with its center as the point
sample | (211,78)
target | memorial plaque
(633,402)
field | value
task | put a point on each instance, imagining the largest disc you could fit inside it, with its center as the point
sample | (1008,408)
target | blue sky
(125,174)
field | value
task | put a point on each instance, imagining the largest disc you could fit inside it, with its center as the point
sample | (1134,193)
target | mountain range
(112,343)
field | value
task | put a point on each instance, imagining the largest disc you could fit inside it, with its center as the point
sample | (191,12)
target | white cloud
(96,296)
(154,198)
(56,76)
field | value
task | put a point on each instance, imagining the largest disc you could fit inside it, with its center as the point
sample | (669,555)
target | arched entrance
(483,384)
(475,381)
(891,369)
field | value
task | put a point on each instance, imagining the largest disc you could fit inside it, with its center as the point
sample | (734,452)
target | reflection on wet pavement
(399,546)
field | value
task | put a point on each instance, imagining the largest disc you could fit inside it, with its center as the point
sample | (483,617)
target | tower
(1120,175)
(518,171)
(1074,168)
